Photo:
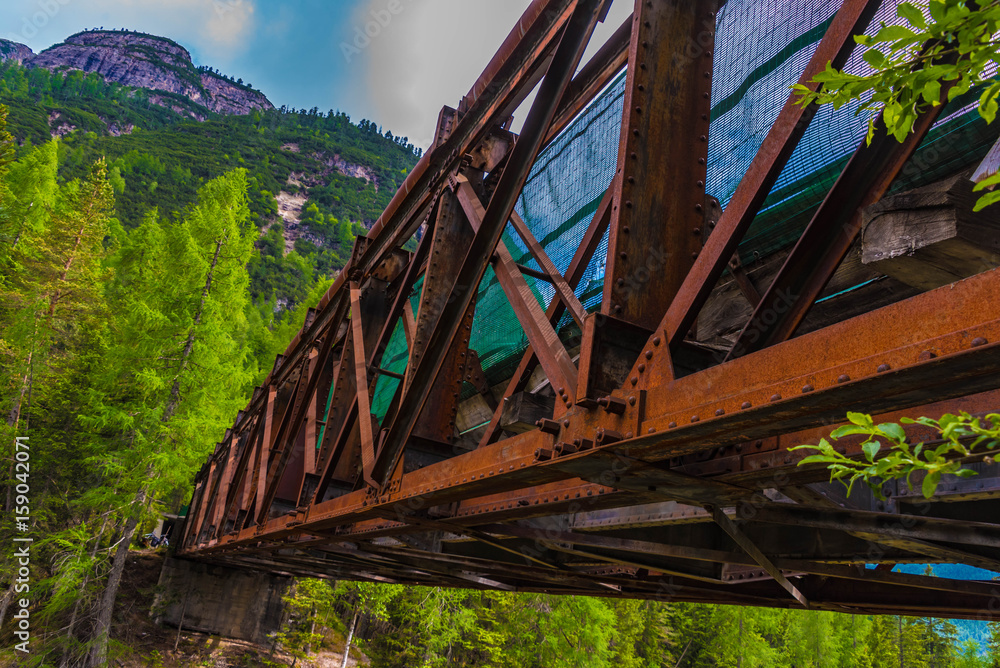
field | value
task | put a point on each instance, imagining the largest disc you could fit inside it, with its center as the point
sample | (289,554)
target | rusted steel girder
(564,62)
(674,482)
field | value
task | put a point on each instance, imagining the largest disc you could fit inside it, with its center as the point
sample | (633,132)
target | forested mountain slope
(315,179)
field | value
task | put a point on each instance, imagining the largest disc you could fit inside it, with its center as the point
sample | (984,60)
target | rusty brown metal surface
(656,230)
(657,468)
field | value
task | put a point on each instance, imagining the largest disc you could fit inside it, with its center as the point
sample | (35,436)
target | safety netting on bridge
(762,48)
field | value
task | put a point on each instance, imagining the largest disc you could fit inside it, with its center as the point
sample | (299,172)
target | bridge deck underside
(624,456)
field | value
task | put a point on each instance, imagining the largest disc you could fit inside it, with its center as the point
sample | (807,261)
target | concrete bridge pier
(209,598)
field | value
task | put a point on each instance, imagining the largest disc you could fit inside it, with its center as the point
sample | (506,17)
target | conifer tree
(176,369)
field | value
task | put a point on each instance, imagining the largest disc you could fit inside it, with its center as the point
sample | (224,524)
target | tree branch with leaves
(962,437)
(938,44)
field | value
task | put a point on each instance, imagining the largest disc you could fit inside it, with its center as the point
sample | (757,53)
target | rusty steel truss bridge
(627,454)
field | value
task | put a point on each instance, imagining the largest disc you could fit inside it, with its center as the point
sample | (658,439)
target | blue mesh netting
(762,48)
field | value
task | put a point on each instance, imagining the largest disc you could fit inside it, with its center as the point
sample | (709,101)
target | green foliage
(912,63)
(963,436)
(420,627)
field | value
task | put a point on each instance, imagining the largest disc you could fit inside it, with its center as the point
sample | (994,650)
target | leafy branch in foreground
(963,436)
(911,64)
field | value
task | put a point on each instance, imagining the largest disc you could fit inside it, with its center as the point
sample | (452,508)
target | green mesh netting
(761,49)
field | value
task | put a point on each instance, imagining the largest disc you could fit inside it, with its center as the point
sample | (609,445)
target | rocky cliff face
(14,51)
(146,61)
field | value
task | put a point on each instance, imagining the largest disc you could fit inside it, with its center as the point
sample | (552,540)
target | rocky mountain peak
(143,61)
(14,51)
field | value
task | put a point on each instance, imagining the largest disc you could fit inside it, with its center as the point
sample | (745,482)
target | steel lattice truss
(660,472)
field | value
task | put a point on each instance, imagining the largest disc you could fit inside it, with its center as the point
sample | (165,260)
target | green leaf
(875,58)
(932,92)
(860,419)
(937,10)
(894,34)
(814,459)
(910,12)
(930,484)
(871,449)
(848,430)
(893,431)
(988,103)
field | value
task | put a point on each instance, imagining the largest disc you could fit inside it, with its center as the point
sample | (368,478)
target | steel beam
(564,62)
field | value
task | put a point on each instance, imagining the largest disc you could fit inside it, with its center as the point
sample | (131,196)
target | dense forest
(430,627)
(145,289)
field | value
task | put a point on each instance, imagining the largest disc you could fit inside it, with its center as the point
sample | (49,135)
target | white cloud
(431,52)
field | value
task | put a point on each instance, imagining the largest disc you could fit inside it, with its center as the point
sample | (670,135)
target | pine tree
(882,642)
(176,367)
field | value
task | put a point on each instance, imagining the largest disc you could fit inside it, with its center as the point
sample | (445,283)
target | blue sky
(305,53)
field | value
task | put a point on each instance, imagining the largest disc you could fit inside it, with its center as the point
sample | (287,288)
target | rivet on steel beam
(978,341)
(701,161)
(628,434)
(651,430)
(704,117)
(698,207)
(565,423)
(745,405)
(708,75)
(642,367)
(635,156)
(694,255)
(641,87)
(720,411)
(807,388)
(700,184)
(638,110)
(642,66)
(703,138)
(649,354)
(647,24)
(882,368)
(634,380)
(626,229)
(926,355)
(671,425)
(617,308)
(775,397)
(623,255)
(695,418)
(628,204)
(631,401)
(843,378)
(562,391)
